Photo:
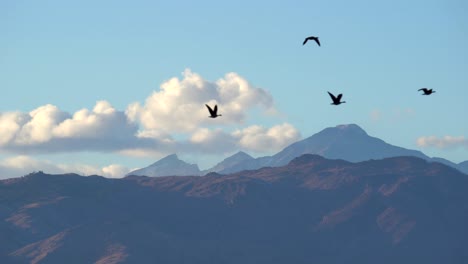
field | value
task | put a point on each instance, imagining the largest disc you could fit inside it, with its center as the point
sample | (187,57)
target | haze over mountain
(229,164)
(348,142)
(313,210)
(168,166)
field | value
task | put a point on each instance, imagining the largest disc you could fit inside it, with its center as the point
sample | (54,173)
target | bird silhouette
(213,112)
(336,99)
(426,91)
(316,39)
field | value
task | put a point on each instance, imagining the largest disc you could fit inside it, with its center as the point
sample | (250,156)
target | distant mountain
(229,164)
(348,142)
(313,210)
(168,166)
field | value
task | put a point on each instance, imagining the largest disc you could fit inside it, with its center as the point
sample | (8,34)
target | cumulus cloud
(260,139)
(10,124)
(48,129)
(40,124)
(30,128)
(97,123)
(21,165)
(253,138)
(213,141)
(179,105)
(442,142)
(172,119)
(115,171)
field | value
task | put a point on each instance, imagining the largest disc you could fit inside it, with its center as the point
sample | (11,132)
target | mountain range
(348,142)
(312,210)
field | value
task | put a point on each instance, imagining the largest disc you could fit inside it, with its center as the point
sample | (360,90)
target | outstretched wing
(305,41)
(423,89)
(332,96)
(209,109)
(215,109)
(317,40)
(339,97)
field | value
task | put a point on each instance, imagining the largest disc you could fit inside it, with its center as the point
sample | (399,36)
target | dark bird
(336,99)
(316,39)
(213,112)
(426,91)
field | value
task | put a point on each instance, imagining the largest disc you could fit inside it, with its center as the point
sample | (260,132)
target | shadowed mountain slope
(313,210)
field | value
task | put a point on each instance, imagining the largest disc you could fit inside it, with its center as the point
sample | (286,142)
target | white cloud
(443,142)
(180,104)
(115,171)
(48,129)
(173,119)
(39,125)
(92,124)
(253,138)
(213,141)
(10,124)
(21,165)
(261,139)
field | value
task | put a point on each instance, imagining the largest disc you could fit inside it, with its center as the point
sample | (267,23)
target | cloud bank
(49,129)
(172,119)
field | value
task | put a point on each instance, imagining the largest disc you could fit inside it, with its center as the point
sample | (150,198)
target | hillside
(313,210)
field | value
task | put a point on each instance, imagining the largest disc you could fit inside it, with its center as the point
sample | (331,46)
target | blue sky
(72,55)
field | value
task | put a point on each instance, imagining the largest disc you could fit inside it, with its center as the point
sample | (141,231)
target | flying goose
(316,39)
(336,99)
(426,91)
(213,112)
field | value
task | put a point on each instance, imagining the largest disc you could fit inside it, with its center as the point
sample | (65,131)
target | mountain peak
(228,165)
(347,141)
(351,127)
(346,129)
(172,157)
(170,165)
(241,155)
